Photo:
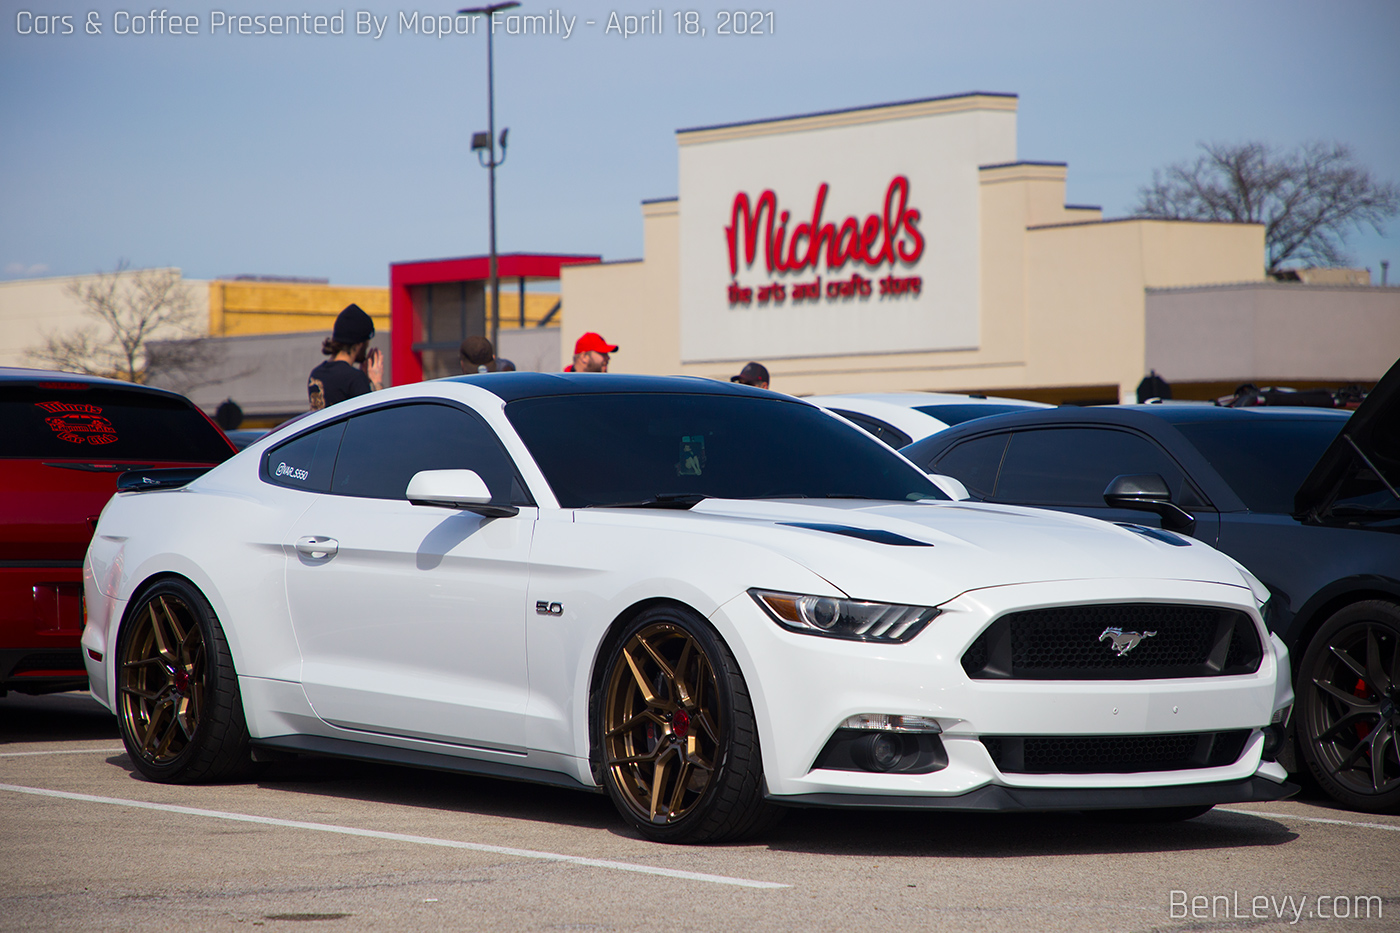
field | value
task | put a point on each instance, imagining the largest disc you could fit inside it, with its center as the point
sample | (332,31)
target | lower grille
(1116,641)
(1114,754)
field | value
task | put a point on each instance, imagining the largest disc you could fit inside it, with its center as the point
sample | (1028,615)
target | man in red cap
(591,354)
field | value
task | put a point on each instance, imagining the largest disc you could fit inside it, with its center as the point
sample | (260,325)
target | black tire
(1348,699)
(710,782)
(177,696)
(1153,814)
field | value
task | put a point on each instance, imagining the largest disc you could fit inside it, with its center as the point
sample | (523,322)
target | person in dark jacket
(338,379)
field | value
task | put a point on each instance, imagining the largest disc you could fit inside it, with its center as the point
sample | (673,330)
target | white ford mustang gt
(709,600)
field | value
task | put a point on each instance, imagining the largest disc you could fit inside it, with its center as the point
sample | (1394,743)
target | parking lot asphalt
(88,844)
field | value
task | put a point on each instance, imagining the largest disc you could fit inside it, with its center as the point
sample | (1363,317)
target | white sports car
(652,586)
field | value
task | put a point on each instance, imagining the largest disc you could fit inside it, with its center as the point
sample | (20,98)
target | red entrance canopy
(407,364)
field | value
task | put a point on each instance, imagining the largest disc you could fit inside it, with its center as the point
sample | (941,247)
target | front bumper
(805,687)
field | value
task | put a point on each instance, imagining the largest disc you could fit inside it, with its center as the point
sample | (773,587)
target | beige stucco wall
(1270,333)
(634,304)
(1086,291)
(1062,305)
(33,308)
(1060,298)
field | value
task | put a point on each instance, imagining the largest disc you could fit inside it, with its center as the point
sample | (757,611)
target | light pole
(486,142)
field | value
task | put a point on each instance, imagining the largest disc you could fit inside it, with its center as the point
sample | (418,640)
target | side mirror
(1148,492)
(950,485)
(455,489)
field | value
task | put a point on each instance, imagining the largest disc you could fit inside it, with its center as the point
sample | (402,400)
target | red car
(64,440)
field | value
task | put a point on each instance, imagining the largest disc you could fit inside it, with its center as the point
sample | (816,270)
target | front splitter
(997,798)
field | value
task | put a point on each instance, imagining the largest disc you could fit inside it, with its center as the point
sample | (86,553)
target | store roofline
(1274,285)
(1151,220)
(831,113)
(985,168)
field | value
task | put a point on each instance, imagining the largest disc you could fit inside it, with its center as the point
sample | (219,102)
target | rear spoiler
(145,480)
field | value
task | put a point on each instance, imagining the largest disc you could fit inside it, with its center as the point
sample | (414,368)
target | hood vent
(1156,534)
(865,534)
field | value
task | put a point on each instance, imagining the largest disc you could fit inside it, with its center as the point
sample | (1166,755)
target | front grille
(1075,643)
(1114,754)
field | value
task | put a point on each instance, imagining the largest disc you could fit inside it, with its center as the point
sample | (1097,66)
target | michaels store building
(905,247)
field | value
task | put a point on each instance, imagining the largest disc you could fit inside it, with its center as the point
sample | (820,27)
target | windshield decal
(78,424)
(692,462)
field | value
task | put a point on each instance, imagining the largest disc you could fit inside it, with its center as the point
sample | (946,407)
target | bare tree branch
(1309,199)
(130,310)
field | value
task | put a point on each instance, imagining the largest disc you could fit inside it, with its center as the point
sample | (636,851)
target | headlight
(845,618)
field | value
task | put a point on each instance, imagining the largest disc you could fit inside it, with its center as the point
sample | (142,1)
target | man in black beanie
(337,379)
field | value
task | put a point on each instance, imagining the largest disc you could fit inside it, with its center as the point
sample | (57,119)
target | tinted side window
(1072,466)
(305,462)
(1264,460)
(975,462)
(886,432)
(383,448)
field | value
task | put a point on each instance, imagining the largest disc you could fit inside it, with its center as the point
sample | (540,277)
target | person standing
(753,374)
(478,356)
(337,378)
(591,354)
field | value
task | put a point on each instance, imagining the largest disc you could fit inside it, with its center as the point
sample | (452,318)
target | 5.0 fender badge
(1123,642)
(549,609)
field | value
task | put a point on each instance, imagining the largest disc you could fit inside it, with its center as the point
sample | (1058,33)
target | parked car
(900,418)
(647,585)
(242,437)
(66,439)
(1305,498)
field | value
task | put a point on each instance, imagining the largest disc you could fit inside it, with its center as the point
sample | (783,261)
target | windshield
(611,449)
(1264,461)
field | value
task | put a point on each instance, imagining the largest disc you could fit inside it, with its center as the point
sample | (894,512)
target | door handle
(317,547)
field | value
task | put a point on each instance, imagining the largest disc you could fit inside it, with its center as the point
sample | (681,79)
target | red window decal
(78,424)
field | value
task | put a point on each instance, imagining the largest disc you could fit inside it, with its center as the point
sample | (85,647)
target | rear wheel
(177,694)
(1349,706)
(680,748)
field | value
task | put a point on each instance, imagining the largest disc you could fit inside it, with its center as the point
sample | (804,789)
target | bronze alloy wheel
(662,723)
(178,704)
(675,732)
(1349,702)
(163,679)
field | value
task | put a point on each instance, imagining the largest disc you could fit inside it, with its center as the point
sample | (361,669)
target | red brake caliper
(1362,729)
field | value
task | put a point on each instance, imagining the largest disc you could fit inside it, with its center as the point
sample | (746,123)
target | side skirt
(277,747)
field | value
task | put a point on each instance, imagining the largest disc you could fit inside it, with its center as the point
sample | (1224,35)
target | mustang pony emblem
(1122,641)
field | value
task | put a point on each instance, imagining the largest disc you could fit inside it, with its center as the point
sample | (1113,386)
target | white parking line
(64,751)
(1312,819)
(397,837)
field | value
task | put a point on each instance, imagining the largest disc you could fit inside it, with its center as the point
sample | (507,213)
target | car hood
(1371,434)
(926,553)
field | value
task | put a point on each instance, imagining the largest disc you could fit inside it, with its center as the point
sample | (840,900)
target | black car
(1304,498)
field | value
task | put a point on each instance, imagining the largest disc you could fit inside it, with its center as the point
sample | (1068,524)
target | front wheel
(177,694)
(679,744)
(1349,706)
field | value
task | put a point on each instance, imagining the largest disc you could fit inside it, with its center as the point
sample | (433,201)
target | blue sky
(335,155)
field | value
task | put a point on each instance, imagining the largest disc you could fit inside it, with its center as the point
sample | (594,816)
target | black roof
(512,386)
(17,375)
